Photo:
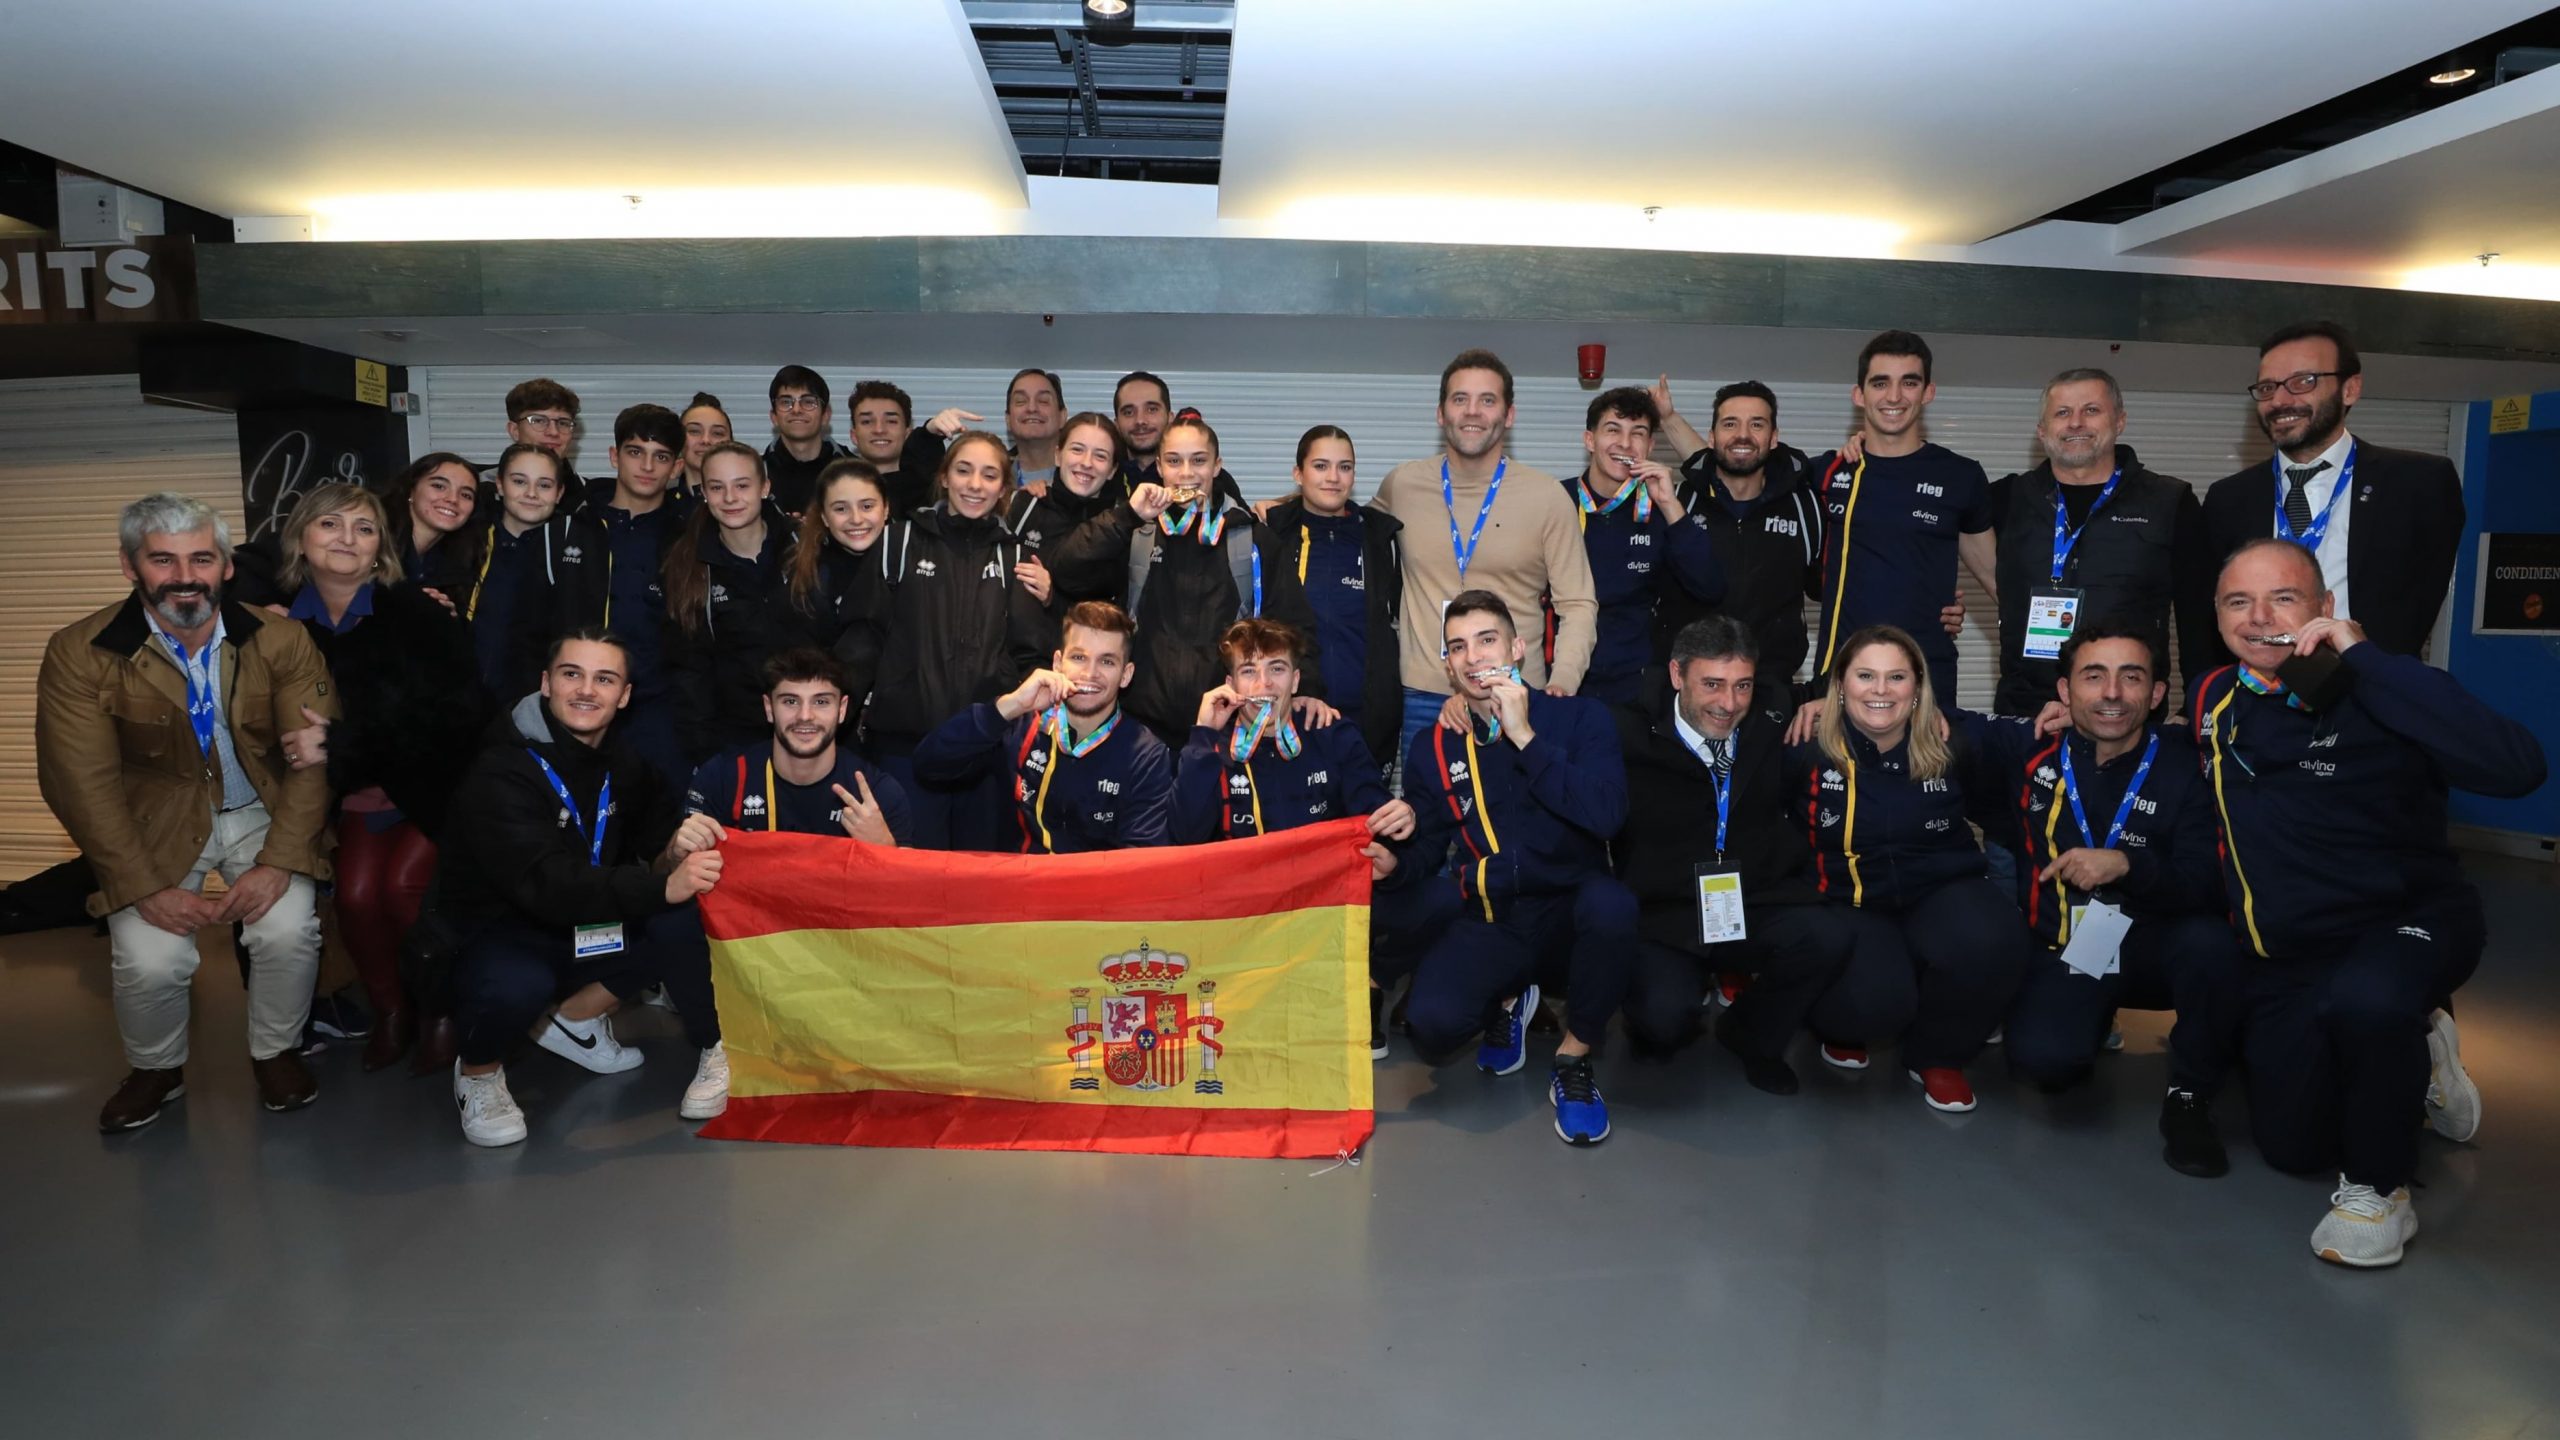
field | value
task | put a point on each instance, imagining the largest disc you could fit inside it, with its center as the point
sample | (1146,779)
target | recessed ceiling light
(1109,20)
(2454,76)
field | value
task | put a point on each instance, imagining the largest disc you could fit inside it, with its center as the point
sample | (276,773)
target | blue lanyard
(1256,611)
(1465,550)
(604,806)
(2065,539)
(2310,539)
(2071,788)
(1724,793)
(198,673)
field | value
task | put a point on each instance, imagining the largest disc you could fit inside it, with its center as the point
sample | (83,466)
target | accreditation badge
(590,942)
(2051,613)
(2097,939)
(1719,905)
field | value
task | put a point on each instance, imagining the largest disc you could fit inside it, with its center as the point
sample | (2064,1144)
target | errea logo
(925,569)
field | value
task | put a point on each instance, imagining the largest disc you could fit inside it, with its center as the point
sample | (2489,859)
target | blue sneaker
(1506,1040)
(1582,1117)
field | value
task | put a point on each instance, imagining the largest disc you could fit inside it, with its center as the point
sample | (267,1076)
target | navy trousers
(510,973)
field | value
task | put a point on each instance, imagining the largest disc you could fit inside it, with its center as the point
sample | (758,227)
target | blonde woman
(411,708)
(1881,791)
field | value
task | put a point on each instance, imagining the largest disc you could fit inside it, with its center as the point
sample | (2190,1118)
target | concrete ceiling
(1825,127)
(490,119)
(2425,197)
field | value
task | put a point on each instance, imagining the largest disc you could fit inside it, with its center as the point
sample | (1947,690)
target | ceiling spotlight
(2451,75)
(1109,20)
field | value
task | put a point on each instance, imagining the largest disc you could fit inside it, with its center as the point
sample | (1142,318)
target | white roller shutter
(1259,416)
(73,452)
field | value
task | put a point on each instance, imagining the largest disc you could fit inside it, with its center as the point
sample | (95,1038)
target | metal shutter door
(73,452)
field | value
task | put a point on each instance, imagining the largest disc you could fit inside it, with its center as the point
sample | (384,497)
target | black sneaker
(1377,1024)
(334,1016)
(2186,1123)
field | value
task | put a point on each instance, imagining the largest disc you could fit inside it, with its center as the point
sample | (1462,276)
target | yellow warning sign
(373,384)
(2510,413)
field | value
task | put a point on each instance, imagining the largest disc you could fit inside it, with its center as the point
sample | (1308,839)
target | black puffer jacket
(948,625)
(1041,521)
(528,860)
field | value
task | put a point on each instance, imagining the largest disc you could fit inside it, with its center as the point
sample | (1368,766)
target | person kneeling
(2121,886)
(1249,769)
(1533,788)
(1082,780)
(805,780)
(574,893)
(1722,880)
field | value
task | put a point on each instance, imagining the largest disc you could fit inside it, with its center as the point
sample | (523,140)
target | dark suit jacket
(2401,537)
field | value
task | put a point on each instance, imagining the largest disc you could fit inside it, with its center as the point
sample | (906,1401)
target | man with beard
(162,746)
(1512,531)
(804,781)
(2384,523)
(1142,409)
(1141,405)
(2091,533)
(1084,778)
(1752,494)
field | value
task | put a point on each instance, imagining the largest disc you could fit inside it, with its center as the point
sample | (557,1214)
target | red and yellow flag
(1202,1000)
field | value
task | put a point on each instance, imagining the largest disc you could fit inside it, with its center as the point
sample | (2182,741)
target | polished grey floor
(1846,1263)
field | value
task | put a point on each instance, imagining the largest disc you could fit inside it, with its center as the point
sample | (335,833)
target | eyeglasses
(789,403)
(2300,382)
(550,422)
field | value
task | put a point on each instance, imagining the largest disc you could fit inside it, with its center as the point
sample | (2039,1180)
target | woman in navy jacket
(1940,950)
(728,604)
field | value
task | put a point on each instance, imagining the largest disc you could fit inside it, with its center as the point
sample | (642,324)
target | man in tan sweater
(1476,519)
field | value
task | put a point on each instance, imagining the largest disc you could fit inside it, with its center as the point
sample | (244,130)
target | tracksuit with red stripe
(1332,777)
(1116,795)
(1526,829)
(2347,895)
(2178,955)
(1940,951)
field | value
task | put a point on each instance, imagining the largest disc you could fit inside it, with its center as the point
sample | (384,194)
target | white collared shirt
(1697,741)
(2333,543)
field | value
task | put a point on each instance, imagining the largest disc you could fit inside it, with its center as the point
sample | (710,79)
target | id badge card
(589,942)
(2051,614)
(1719,905)
(2097,939)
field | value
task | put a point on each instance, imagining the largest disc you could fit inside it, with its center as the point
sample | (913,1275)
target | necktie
(1719,756)
(2297,498)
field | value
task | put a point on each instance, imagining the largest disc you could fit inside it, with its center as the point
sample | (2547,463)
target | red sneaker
(1946,1088)
(1845,1057)
(1730,985)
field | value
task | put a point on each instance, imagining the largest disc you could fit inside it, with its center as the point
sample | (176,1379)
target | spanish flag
(1200,1000)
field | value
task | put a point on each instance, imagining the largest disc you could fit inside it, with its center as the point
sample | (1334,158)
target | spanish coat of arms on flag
(1199,1000)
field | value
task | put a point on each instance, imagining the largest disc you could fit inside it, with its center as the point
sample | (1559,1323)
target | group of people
(510,714)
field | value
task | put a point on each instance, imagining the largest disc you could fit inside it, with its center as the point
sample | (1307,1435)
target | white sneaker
(2364,1227)
(589,1043)
(2453,1101)
(708,1095)
(489,1113)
